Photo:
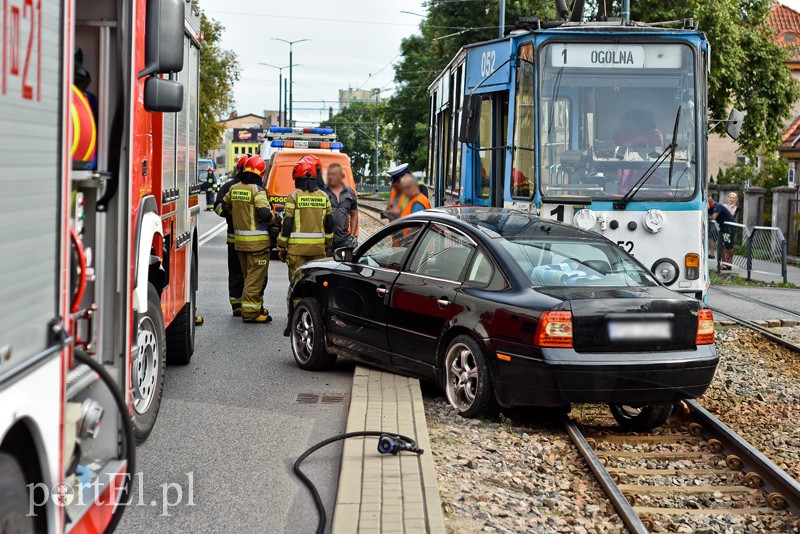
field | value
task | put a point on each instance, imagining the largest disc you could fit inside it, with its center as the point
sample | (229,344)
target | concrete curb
(380,493)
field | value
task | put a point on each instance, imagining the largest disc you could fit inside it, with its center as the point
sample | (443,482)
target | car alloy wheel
(145,366)
(462,376)
(303,335)
(641,418)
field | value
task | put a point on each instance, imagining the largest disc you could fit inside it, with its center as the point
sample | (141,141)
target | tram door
(489,163)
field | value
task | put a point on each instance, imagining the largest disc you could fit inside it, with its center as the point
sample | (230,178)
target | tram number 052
(22,48)
(627,246)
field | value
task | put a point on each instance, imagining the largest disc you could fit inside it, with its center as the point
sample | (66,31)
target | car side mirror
(471,121)
(734,126)
(162,95)
(343,255)
(163,48)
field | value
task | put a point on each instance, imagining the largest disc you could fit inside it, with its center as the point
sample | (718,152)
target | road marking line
(211,234)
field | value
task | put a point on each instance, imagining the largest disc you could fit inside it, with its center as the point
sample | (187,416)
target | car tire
(641,418)
(14,517)
(181,332)
(148,367)
(467,380)
(308,337)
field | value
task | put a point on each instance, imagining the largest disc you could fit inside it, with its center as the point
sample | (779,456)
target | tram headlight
(585,219)
(666,271)
(654,221)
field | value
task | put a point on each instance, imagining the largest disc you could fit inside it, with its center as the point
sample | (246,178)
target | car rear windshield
(559,263)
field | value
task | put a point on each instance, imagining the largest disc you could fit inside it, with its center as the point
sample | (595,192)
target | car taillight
(554,330)
(705,328)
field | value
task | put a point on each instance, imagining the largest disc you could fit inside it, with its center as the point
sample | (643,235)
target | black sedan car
(501,307)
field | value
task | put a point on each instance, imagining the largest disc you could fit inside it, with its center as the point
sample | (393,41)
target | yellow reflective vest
(308,237)
(243,201)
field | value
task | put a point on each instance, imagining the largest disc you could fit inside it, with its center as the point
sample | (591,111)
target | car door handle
(443,303)
(382,291)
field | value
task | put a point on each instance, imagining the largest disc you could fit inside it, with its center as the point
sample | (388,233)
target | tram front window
(608,114)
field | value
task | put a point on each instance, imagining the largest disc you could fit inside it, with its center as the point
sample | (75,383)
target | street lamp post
(281,116)
(291,45)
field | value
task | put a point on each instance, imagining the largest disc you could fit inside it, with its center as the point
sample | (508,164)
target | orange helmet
(240,163)
(306,167)
(256,165)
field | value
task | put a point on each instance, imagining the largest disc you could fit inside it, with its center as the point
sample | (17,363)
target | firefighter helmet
(304,169)
(240,163)
(256,165)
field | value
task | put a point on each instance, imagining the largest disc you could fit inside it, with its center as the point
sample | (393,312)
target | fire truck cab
(98,232)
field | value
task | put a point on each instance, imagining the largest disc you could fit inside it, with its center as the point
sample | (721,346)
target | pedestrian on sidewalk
(307,232)
(235,274)
(733,204)
(251,212)
(718,212)
(344,203)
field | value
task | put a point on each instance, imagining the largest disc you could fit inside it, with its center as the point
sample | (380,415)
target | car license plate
(639,330)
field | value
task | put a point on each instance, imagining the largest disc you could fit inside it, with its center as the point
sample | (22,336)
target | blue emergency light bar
(325,145)
(287,130)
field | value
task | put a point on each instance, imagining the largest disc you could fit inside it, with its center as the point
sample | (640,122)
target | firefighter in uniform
(307,231)
(251,213)
(235,275)
(211,187)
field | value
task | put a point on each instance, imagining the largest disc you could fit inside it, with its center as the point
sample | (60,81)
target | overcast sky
(353,44)
(350,39)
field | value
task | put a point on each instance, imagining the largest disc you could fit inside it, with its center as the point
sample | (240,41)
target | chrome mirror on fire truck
(163,37)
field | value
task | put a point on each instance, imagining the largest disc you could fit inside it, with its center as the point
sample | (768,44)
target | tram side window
(555,130)
(483,188)
(522,170)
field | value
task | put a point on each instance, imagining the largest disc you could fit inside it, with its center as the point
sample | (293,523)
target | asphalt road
(230,428)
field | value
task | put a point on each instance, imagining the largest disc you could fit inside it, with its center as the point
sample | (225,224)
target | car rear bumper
(563,376)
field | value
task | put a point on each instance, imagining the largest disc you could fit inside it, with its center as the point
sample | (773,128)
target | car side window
(481,271)
(442,253)
(389,251)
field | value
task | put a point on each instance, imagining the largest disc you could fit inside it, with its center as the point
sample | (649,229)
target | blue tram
(602,125)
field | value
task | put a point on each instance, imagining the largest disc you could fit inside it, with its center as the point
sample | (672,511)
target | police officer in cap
(235,275)
(398,201)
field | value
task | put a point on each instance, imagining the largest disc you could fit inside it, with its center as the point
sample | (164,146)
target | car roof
(504,223)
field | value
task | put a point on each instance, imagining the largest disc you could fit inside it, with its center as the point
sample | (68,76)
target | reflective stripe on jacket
(308,210)
(249,233)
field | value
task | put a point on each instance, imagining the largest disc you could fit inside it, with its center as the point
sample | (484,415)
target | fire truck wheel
(148,367)
(180,334)
(13,498)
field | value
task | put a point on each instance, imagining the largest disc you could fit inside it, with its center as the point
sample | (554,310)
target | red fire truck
(98,250)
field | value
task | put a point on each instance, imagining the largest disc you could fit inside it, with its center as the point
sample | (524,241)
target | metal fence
(760,249)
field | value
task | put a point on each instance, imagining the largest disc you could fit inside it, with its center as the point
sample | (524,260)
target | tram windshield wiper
(669,151)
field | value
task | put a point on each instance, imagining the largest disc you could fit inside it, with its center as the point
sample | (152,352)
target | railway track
(758,302)
(766,332)
(694,467)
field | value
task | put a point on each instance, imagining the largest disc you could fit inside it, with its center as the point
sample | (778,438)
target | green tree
(448,26)
(219,70)
(747,66)
(355,128)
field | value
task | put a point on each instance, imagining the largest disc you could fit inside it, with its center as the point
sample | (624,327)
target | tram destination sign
(615,56)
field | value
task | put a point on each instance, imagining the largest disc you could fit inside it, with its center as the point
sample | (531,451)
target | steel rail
(783,492)
(760,329)
(624,508)
(755,301)
(775,479)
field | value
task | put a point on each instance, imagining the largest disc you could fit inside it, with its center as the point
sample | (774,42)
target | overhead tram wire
(319,19)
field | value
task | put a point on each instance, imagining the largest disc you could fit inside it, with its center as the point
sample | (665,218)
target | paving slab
(384,493)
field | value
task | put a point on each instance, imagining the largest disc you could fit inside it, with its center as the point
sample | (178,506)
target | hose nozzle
(393,444)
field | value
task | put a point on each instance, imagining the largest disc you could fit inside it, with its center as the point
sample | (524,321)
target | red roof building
(785,21)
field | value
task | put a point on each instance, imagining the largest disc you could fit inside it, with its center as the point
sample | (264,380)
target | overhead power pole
(377,135)
(291,80)
(502,23)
